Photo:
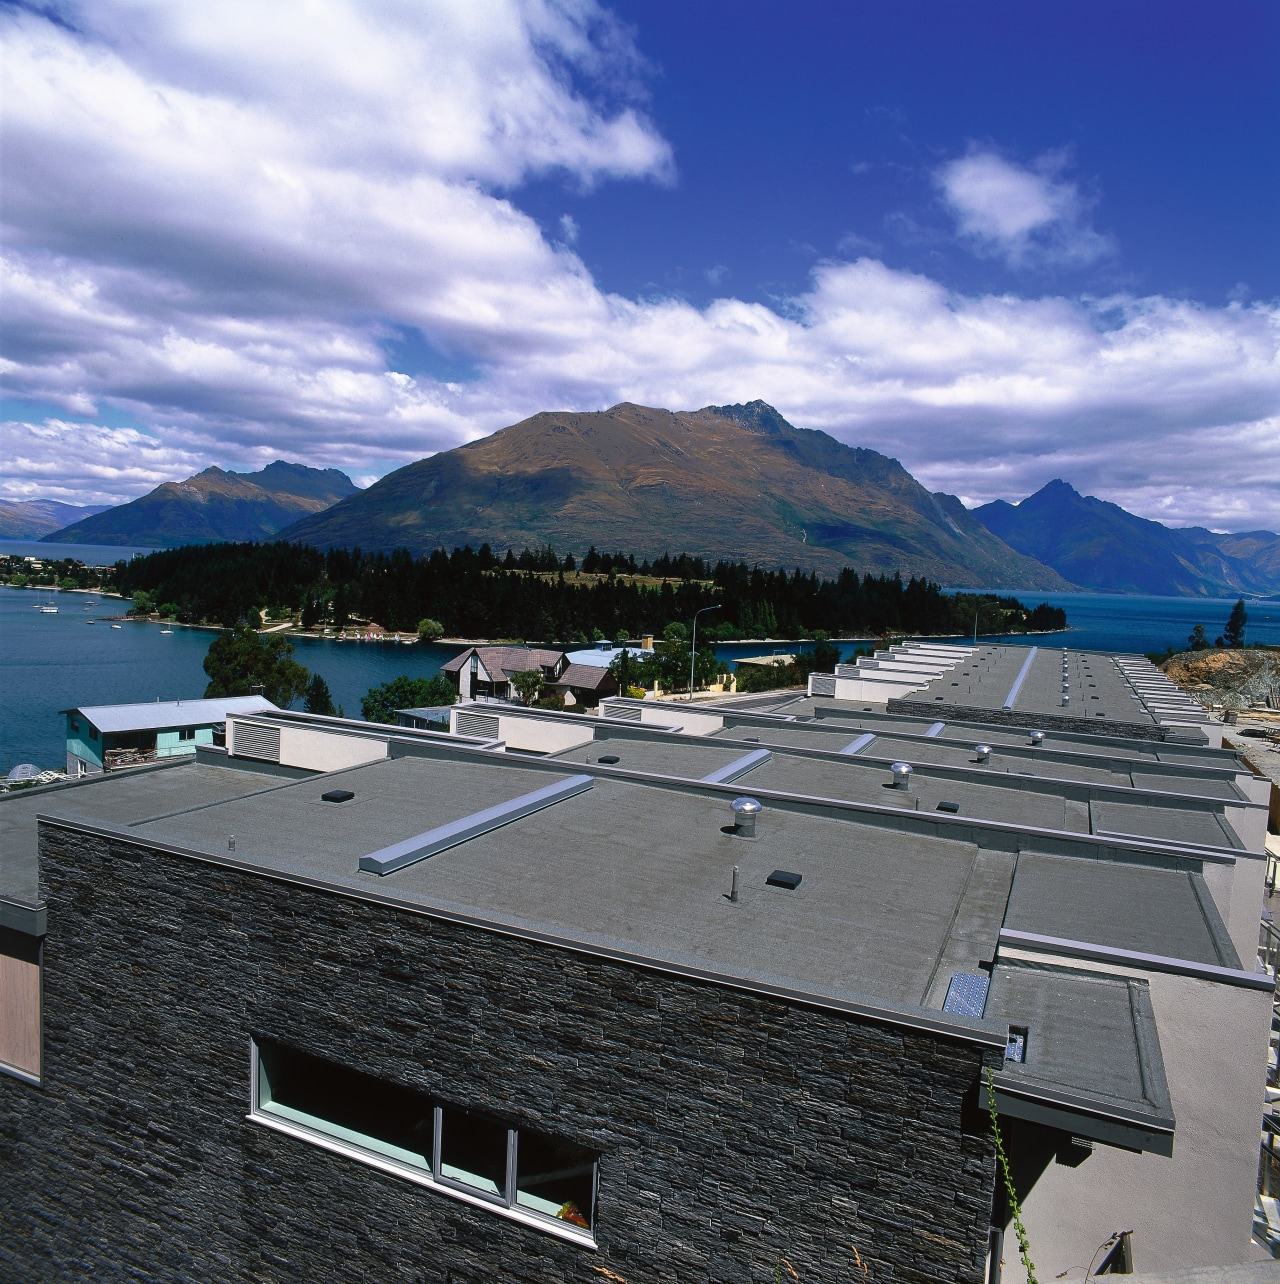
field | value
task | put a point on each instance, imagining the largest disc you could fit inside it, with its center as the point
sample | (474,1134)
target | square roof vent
(783,878)
(337,795)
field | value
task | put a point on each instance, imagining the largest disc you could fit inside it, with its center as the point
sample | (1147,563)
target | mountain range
(1099,545)
(736,482)
(34,518)
(214,505)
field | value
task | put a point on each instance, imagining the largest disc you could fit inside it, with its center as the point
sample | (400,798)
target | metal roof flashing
(387,860)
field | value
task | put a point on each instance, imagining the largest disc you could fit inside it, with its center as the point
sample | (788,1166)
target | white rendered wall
(540,735)
(325,750)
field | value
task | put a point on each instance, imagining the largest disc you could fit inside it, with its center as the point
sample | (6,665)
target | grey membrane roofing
(118,799)
(888,907)
(1026,791)
(948,723)
(1056,684)
(1112,1062)
(953,745)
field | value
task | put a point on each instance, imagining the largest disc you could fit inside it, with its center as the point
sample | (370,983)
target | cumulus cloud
(221,221)
(86,463)
(1026,216)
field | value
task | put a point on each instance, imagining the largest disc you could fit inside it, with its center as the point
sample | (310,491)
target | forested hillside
(541,596)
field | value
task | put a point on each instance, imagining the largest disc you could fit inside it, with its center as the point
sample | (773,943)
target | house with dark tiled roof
(488,670)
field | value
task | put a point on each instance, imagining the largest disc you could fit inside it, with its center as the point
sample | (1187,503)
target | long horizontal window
(526,1174)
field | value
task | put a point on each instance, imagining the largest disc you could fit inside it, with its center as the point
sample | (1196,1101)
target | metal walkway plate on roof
(967,994)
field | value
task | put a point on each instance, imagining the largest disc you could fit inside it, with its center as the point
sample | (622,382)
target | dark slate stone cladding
(1017,718)
(735,1129)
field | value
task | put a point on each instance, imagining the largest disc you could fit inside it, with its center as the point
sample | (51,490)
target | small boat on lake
(117,626)
(164,631)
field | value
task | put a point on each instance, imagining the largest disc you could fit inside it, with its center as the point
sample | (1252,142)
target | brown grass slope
(735,482)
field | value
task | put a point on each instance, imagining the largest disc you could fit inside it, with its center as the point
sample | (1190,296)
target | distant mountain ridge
(35,518)
(1099,545)
(736,482)
(214,505)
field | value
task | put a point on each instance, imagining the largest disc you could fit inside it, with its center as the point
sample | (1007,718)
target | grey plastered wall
(1196,1207)
(734,1128)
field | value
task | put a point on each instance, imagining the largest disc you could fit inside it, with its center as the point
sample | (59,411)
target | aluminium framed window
(542,1181)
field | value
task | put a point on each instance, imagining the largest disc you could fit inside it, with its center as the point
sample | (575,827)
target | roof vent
(1016,1048)
(1037,738)
(784,878)
(983,752)
(1066,699)
(337,795)
(608,759)
(745,811)
(901,775)
(952,807)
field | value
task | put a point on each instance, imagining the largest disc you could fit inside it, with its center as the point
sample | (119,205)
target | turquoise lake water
(53,662)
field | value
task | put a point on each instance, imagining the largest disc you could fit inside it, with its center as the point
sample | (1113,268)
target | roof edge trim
(1135,958)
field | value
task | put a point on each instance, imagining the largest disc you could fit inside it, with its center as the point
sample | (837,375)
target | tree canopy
(380,703)
(239,660)
(474,593)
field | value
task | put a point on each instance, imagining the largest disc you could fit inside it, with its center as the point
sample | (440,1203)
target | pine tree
(1233,634)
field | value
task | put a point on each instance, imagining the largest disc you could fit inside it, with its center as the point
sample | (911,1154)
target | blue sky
(806,130)
(1003,242)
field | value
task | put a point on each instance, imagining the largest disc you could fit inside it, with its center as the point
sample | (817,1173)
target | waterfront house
(100,737)
(488,670)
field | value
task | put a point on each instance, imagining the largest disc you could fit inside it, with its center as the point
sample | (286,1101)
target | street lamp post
(693,648)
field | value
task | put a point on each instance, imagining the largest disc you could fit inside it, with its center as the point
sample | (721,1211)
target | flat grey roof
(1110,1063)
(889,906)
(1031,788)
(953,746)
(1099,740)
(120,798)
(1124,906)
(651,863)
(999,677)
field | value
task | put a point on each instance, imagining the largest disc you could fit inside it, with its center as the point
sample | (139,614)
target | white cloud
(84,463)
(218,217)
(569,229)
(1025,216)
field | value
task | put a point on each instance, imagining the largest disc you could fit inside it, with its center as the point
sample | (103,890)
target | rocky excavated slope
(1228,679)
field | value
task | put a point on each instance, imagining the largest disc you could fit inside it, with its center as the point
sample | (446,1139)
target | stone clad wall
(734,1129)
(1020,718)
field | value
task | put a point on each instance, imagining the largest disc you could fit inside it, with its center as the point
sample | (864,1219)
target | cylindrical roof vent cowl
(901,775)
(983,752)
(745,811)
(1037,738)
